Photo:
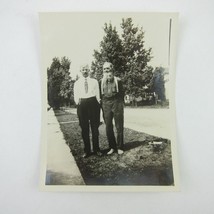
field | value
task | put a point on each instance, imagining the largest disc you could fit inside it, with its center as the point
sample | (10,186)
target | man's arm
(99,83)
(76,96)
(121,90)
(97,91)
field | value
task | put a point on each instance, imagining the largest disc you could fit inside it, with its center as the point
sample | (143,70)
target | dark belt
(87,99)
(112,97)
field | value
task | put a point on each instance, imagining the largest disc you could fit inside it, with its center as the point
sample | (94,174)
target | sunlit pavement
(151,121)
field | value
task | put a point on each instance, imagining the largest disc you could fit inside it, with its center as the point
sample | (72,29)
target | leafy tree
(137,72)
(111,50)
(60,85)
(127,54)
(159,83)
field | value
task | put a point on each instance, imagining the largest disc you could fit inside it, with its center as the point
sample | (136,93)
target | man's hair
(84,66)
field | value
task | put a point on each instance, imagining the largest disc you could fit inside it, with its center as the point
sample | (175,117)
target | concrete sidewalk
(61,166)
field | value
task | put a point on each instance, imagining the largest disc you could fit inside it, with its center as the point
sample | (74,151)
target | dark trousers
(114,109)
(88,112)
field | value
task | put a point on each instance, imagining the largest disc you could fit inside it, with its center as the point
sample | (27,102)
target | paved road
(151,121)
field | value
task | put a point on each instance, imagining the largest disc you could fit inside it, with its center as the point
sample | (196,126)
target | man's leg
(94,112)
(108,114)
(118,110)
(85,137)
(82,113)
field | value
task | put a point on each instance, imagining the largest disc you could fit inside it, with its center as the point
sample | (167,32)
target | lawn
(141,164)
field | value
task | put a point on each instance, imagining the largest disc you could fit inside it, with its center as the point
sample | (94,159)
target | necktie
(86,86)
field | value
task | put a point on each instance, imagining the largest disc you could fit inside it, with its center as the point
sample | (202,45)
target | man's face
(109,76)
(85,71)
(107,68)
(108,71)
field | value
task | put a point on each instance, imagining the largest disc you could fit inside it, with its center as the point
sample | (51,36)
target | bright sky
(76,35)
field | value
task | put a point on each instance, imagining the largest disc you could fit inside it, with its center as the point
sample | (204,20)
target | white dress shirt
(79,89)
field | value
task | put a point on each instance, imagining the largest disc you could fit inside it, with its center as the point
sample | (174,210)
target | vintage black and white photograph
(108,101)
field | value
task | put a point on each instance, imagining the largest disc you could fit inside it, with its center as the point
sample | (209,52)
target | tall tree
(159,83)
(127,54)
(111,50)
(137,72)
(60,85)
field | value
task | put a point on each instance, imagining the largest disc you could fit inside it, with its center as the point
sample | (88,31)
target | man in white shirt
(87,98)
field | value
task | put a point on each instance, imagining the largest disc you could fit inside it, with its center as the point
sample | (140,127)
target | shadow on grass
(133,144)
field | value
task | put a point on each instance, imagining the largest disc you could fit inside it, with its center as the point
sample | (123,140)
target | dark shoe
(86,155)
(99,153)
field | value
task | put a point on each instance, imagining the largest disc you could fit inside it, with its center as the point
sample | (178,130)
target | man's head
(84,69)
(108,70)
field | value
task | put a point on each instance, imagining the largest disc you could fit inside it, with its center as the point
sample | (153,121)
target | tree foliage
(128,55)
(137,72)
(111,50)
(159,83)
(60,84)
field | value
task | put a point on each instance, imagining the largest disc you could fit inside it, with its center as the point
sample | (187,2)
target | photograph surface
(108,83)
